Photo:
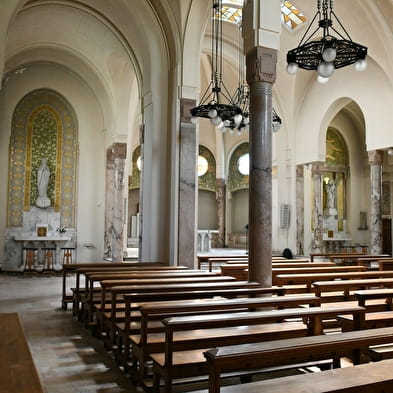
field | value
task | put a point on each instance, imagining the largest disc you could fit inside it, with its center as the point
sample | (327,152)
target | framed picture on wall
(42,230)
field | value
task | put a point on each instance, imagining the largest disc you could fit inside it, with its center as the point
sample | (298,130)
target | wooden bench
(240,271)
(329,254)
(203,258)
(344,288)
(364,378)
(18,373)
(124,327)
(294,352)
(373,319)
(106,283)
(151,311)
(70,268)
(185,334)
(80,294)
(308,278)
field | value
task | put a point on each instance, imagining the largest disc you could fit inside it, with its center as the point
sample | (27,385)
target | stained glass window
(291,17)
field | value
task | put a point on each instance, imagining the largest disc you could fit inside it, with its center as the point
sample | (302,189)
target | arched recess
(207,205)
(237,187)
(44,125)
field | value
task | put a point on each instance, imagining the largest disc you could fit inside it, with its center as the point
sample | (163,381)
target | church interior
(216,145)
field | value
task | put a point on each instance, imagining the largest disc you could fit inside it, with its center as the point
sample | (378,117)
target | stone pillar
(300,210)
(115,205)
(375,159)
(261,35)
(220,196)
(187,231)
(317,210)
(261,73)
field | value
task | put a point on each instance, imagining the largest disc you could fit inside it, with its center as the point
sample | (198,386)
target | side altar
(37,221)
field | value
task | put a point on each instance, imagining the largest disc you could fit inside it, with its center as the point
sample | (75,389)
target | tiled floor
(67,357)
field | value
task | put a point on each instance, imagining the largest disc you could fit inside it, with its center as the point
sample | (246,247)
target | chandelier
(330,52)
(217,104)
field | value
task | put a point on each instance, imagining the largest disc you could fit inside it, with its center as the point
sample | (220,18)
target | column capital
(375,157)
(261,65)
(117,150)
(186,104)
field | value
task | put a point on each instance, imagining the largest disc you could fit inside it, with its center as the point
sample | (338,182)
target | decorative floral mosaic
(336,149)
(208,180)
(236,180)
(135,178)
(43,126)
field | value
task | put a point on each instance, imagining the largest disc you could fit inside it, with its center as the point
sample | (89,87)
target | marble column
(261,73)
(317,210)
(375,159)
(300,210)
(187,231)
(114,208)
(220,196)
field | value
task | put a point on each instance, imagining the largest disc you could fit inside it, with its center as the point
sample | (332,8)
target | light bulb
(239,132)
(221,125)
(246,120)
(329,54)
(194,120)
(325,69)
(231,131)
(216,120)
(238,119)
(361,65)
(212,113)
(322,80)
(276,126)
(227,123)
(292,68)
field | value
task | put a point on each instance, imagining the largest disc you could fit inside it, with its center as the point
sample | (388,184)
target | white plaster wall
(91,165)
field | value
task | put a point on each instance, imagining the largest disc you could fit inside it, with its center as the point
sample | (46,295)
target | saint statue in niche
(43,174)
(331,194)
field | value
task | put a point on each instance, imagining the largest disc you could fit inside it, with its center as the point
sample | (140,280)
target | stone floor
(67,357)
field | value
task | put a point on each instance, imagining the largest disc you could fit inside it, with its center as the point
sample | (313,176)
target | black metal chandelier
(329,52)
(217,104)
(226,111)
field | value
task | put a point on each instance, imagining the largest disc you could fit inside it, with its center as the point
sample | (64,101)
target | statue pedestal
(42,202)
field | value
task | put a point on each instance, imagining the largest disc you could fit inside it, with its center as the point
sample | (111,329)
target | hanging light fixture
(330,52)
(217,104)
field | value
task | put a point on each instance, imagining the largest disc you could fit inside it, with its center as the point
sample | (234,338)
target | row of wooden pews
(169,324)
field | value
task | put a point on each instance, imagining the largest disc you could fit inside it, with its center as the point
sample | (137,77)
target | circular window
(139,163)
(202,165)
(243,164)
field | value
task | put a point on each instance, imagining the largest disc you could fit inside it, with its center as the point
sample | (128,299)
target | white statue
(331,194)
(43,174)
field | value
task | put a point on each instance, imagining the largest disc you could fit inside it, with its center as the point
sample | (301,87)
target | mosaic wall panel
(336,149)
(43,126)
(208,180)
(135,178)
(237,181)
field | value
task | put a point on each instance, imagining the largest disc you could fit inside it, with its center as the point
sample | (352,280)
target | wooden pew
(240,271)
(185,334)
(385,264)
(18,373)
(151,311)
(329,254)
(374,319)
(70,268)
(308,278)
(295,351)
(106,283)
(346,286)
(203,258)
(127,326)
(364,378)
(79,292)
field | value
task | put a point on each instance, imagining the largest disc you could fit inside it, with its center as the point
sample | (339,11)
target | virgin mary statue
(43,174)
